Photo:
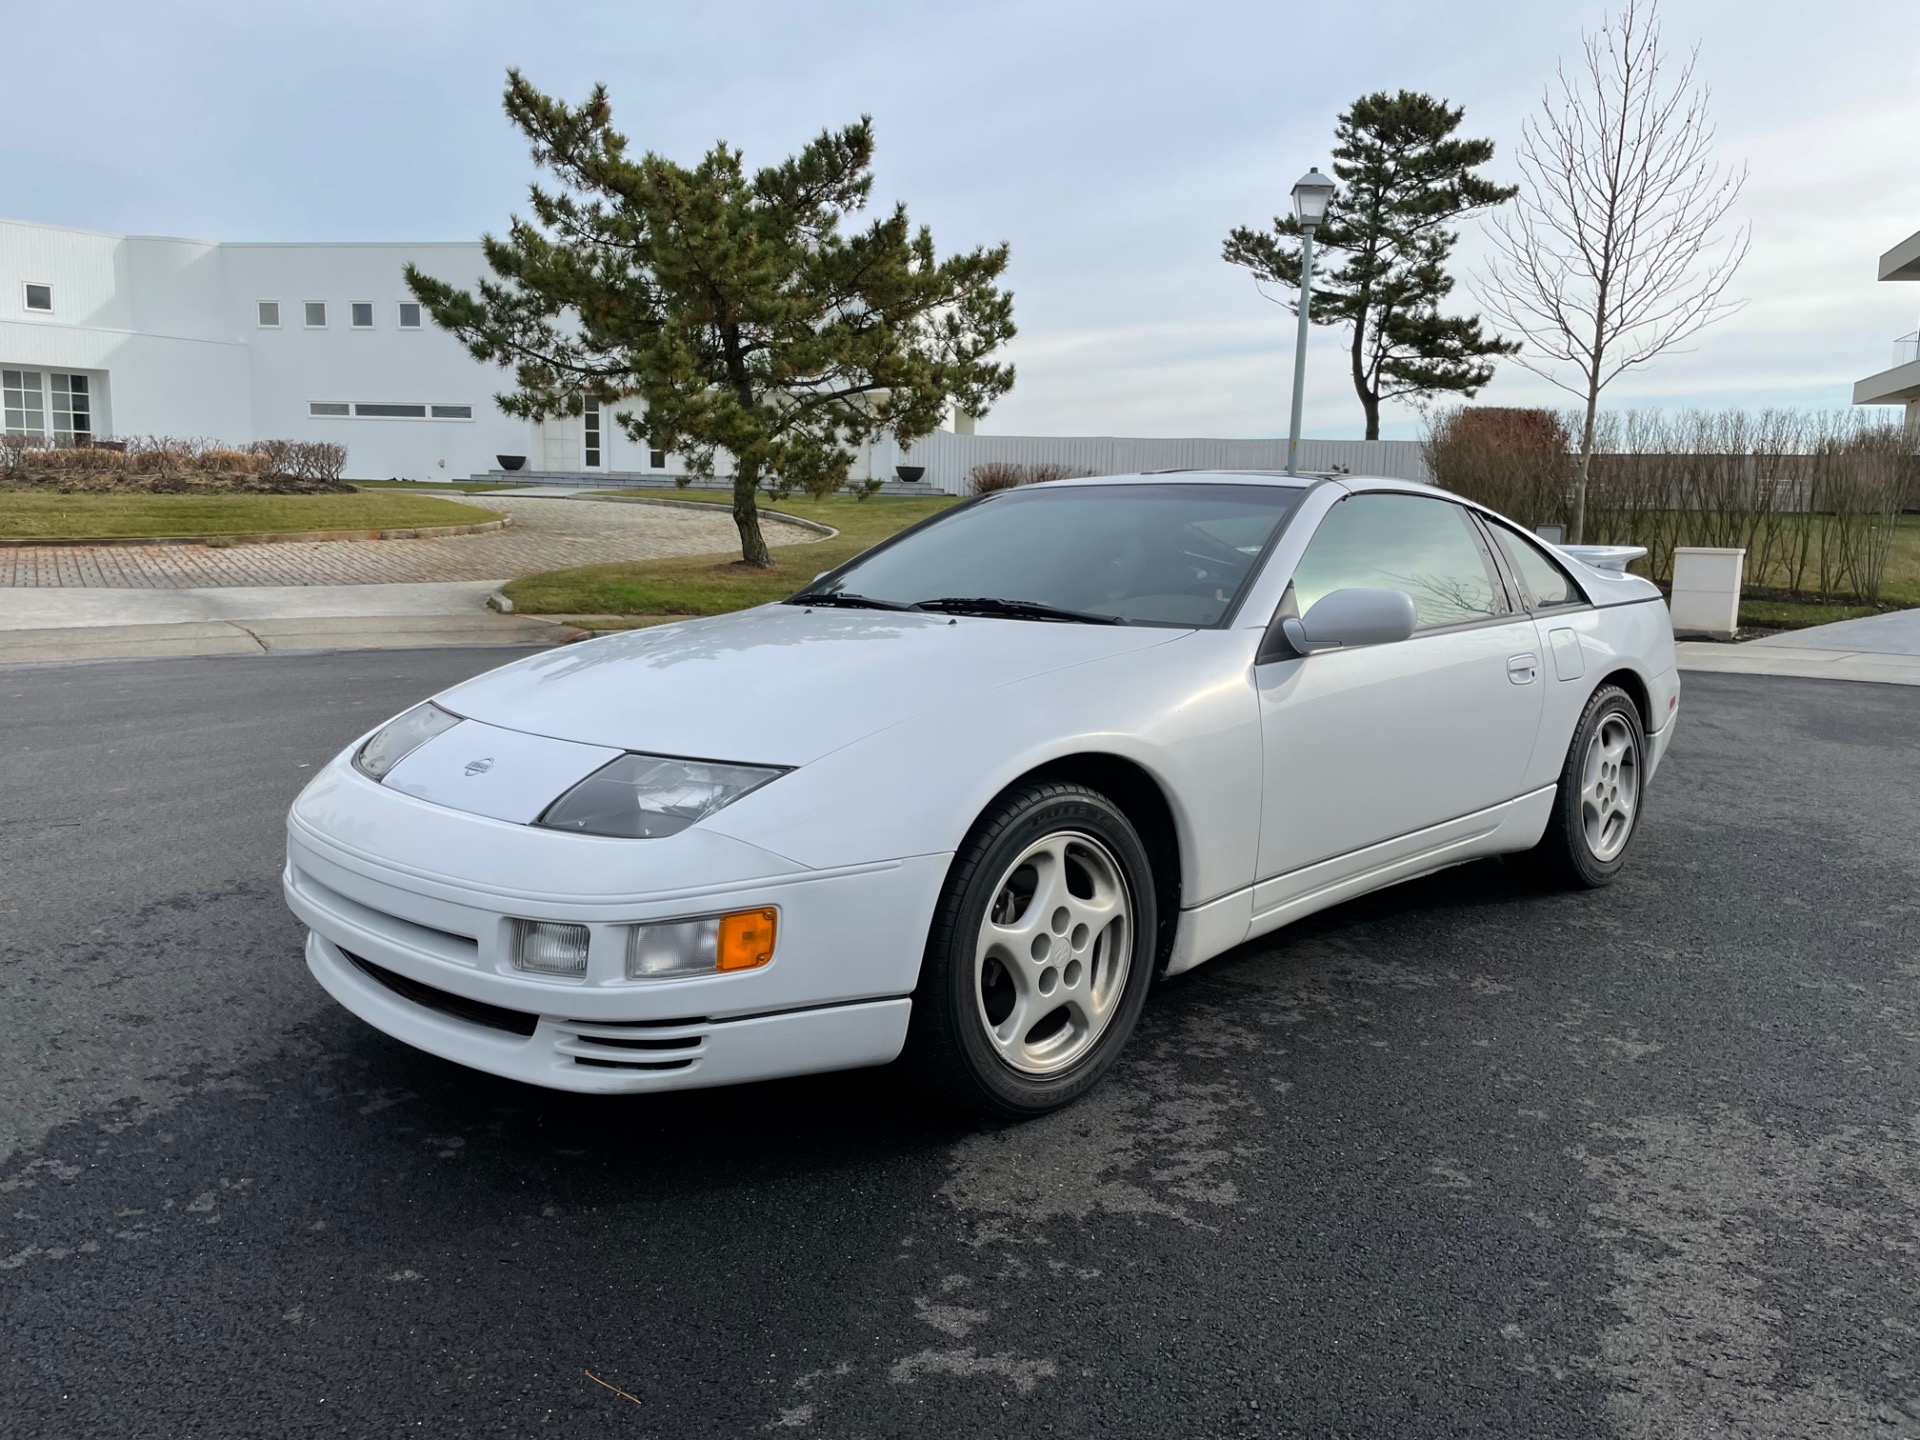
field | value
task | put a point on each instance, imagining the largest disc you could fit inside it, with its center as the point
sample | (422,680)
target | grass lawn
(714,584)
(40,515)
(431,487)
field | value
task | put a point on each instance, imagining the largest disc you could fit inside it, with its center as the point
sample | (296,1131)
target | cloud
(1111,142)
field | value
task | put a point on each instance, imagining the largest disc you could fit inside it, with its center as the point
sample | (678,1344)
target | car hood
(780,684)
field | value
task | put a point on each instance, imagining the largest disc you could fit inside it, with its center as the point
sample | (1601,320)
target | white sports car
(967,795)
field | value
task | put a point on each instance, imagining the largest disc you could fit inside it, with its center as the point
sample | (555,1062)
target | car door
(1565,626)
(1369,746)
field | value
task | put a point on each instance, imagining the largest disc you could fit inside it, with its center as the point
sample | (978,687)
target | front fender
(1185,712)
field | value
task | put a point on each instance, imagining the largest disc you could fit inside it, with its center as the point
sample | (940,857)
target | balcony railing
(1906,349)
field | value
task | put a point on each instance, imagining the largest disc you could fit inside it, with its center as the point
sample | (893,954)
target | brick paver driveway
(545,535)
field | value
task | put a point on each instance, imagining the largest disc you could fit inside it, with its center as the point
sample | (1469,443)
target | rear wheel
(1596,809)
(1040,954)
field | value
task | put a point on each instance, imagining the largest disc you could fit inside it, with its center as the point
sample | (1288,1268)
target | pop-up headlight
(645,797)
(400,737)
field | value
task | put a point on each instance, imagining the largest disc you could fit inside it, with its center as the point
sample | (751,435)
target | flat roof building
(124,335)
(1900,384)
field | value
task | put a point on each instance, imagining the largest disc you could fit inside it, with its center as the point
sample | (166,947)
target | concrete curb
(276,637)
(827,530)
(1798,663)
(263,537)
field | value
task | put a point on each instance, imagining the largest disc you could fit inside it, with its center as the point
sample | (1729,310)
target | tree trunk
(1577,531)
(746,516)
(1369,401)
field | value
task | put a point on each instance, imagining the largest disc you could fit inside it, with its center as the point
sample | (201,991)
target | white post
(1706,591)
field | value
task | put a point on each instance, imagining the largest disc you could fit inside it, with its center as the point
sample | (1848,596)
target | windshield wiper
(851,602)
(1014,609)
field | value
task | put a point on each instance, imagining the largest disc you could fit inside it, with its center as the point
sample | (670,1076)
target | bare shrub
(316,460)
(1813,497)
(1519,462)
(163,464)
(994,475)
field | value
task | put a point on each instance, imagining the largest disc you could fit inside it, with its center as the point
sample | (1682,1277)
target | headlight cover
(648,797)
(400,737)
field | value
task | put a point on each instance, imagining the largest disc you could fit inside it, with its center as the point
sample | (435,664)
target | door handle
(1523,669)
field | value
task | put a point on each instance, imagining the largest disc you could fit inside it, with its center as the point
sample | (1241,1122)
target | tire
(1597,804)
(1039,957)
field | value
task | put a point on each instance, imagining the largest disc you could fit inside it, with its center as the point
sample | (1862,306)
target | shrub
(174,465)
(316,460)
(1519,462)
(1007,475)
(1813,497)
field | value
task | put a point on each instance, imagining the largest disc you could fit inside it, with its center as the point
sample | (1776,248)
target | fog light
(549,949)
(740,940)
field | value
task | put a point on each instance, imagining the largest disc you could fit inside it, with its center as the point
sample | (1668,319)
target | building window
(269,314)
(362,314)
(452,412)
(591,429)
(39,297)
(327,407)
(22,402)
(657,459)
(72,408)
(391,412)
(316,314)
(409,315)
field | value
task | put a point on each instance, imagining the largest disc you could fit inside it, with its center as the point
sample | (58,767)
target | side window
(1423,547)
(1547,586)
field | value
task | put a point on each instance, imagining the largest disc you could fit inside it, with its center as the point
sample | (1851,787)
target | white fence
(949,458)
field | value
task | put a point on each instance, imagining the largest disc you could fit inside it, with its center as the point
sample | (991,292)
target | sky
(1112,144)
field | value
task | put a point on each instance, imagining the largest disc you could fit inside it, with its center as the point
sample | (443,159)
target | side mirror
(1348,619)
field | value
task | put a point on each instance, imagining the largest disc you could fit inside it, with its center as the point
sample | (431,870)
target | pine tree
(1404,178)
(732,306)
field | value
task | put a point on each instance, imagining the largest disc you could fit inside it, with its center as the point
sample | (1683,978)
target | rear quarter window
(1544,584)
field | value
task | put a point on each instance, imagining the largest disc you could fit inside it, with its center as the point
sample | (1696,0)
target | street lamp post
(1311,195)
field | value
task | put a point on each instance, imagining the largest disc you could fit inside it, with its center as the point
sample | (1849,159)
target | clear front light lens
(645,797)
(707,945)
(680,947)
(400,737)
(547,948)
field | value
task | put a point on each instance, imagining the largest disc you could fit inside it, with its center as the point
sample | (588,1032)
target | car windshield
(1175,554)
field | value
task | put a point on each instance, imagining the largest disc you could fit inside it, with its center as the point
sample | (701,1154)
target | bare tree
(1613,251)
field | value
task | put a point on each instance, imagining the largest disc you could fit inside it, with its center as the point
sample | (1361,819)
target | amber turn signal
(746,939)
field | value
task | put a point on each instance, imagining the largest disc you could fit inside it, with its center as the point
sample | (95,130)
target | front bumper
(614,1058)
(424,955)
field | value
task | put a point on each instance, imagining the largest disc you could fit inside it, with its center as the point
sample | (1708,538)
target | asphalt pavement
(1459,1158)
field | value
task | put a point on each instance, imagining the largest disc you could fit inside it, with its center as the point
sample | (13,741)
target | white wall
(293,366)
(169,331)
(948,458)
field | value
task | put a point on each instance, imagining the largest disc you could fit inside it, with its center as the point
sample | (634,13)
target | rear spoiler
(1605,557)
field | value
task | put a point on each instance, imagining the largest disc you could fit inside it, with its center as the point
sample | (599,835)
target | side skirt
(1208,930)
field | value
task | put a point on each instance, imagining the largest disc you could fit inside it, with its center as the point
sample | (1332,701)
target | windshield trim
(1304,487)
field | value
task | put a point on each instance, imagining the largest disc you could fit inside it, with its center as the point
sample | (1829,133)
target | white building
(1899,384)
(127,335)
(123,335)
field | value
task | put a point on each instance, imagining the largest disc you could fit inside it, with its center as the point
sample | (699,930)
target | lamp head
(1312,193)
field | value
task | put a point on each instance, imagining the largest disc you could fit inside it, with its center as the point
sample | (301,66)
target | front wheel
(1596,809)
(1040,954)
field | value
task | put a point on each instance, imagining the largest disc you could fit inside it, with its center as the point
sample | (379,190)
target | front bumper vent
(475,1012)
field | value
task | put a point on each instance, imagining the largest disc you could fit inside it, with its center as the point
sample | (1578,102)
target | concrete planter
(1706,591)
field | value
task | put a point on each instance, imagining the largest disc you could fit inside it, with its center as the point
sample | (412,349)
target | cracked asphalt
(1460,1158)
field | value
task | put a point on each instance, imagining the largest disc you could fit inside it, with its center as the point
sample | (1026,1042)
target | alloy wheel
(1609,787)
(1053,952)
